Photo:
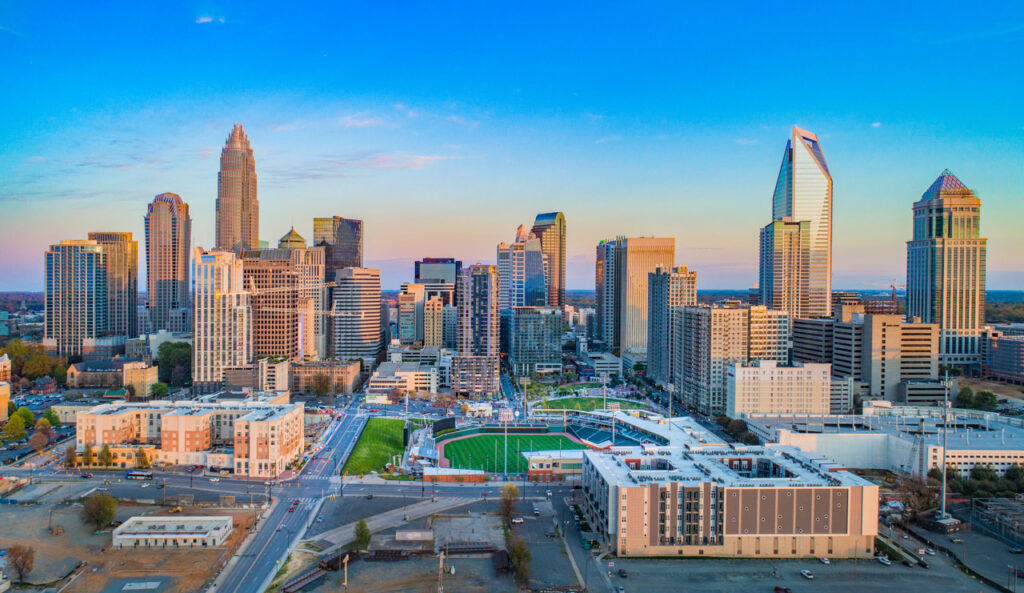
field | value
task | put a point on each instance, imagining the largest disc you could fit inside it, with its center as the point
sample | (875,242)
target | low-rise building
(406,377)
(113,373)
(552,466)
(172,532)
(604,364)
(344,375)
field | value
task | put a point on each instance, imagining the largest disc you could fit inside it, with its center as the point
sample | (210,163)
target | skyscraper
(437,269)
(168,244)
(357,315)
(122,282)
(433,322)
(475,368)
(521,277)
(785,259)
(946,268)
(636,258)
(76,296)
(667,291)
(238,210)
(803,192)
(536,340)
(222,324)
(343,240)
(550,229)
(605,290)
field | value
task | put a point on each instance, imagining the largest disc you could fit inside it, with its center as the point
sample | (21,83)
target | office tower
(635,258)
(712,338)
(238,210)
(168,244)
(437,269)
(521,276)
(342,239)
(122,282)
(946,268)
(433,322)
(285,298)
(803,192)
(411,313)
(76,296)
(357,315)
(785,257)
(222,323)
(475,368)
(605,291)
(550,229)
(536,340)
(450,326)
(310,263)
(667,291)
(813,339)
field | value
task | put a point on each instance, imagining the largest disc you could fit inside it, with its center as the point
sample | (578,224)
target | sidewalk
(346,533)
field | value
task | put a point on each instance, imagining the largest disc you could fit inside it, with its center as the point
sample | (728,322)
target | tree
(38,441)
(320,384)
(87,455)
(749,438)
(11,409)
(362,535)
(520,556)
(38,366)
(159,390)
(51,416)
(722,421)
(509,496)
(59,374)
(141,459)
(99,510)
(129,389)
(984,472)
(445,401)
(70,457)
(985,400)
(964,399)
(21,559)
(106,458)
(917,495)
(14,430)
(26,415)
(175,363)
(736,427)
(395,396)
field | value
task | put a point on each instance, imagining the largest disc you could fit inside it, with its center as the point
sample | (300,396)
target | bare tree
(509,497)
(445,401)
(21,560)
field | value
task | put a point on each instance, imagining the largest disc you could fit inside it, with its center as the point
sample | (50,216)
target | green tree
(964,399)
(159,390)
(141,459)
(175,363)
(87,457)
(11,408)
(1014,472)
(99,510)
(50,415)
(984,473)
(985,400)
(26,415)
(520,556)
(362,535)
(320,384)
(70,457)
(18,352)
(14,430)
(59,374)
(38,366)
(736,427)
(106,458)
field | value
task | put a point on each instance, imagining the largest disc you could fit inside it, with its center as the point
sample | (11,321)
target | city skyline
(414,159)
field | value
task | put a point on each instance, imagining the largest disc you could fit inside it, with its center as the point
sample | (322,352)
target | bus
(138,474)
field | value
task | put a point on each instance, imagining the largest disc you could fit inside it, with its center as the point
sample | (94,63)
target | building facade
(238,209)
(785,262)
(946,268)
(635,258)
(606,295)
(122,282)
(222,318)
(433,322)
(168,247)
(667,291)
(342,239)
(76,296)
(536,340)
(357,315)
(767,387)
(475,368)
(550,229)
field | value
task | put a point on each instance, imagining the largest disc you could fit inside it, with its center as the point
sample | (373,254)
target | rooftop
(172,526)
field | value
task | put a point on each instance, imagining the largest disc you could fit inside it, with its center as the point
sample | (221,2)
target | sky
(444,125)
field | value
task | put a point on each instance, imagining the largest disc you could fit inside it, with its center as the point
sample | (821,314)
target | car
(145,485)
(620,589)
(549,493)
(1016,551)
(319,519)
(268,483)
(929,551)
(884,560)
(780,589)
(369,497)
(160,486)
(86,475)
(824,560)
(907,563)
(622,573)
(517,520)
(922,563)
(956,540)
(536,511)
(214,479)
(807,574)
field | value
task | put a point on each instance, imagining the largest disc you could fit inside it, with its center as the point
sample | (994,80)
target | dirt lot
(57,556)
(1000,389)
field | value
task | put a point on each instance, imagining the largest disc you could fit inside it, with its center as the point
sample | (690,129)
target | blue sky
(446,125)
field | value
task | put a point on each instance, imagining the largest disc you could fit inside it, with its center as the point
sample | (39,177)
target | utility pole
(345,562)
(945,433)
(440,574)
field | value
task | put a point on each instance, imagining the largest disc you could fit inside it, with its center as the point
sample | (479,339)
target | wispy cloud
(403,161)
(408,111)
(208,19)
(593,116)
(877,124)
(607,139)
(360,121)
(746,141)
(4,29)
(285,127)
(455,119)
(342,166)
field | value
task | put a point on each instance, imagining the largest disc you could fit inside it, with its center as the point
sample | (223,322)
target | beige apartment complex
(767,387)
(222,322)
(254,436)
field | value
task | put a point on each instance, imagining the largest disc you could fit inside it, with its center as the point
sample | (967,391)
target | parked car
(825,560)
(214,479)
(86,475)
(907,563)
(517,520)
(779,589)
(929,551)
(807,574)
(884,560)
(922,563)
(623,573)
(1016,551)
(956,540)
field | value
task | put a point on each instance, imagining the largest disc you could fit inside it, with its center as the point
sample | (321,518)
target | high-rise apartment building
(785,260)
(475,368)
(550,229)
(238,210)
(521,272)
(803,192)
(168,246)
(667,291)
(946,268)
(222,321)
(606,311)
(536,340)
(767,387)
(713,337)
(411,302)
(357,315)
(635,258)
(433,322)
(76,296)
(450,326)
(342,239)
(122,282)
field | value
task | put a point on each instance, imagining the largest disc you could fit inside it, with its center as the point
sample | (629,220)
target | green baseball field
(588,404)
(485,452)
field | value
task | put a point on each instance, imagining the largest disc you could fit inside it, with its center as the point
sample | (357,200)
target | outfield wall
(500,429)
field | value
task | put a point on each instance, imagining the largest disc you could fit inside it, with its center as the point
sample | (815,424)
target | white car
(807,574)
(214,479)
(884,560)
(929,551)
(517,520)
(145,485)
(825,561)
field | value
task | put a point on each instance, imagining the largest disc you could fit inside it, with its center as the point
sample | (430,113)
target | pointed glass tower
(803,192)
(238,210)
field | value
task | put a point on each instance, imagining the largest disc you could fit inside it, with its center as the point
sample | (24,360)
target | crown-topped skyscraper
(238,210)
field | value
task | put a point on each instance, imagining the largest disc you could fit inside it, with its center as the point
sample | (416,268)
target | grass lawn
(588,404)
(381,439)
(479,452)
